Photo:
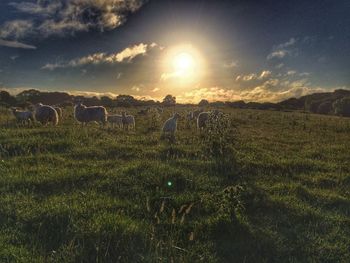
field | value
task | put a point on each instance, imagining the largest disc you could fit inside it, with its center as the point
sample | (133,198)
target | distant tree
(342,107)
(203,103)
(125,101)
(6,99)
(106,101)
(240,104)
(35,96)
(169,100)
(31,95)
(218,104)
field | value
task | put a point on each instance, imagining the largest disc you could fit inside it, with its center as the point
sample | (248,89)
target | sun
(183,63)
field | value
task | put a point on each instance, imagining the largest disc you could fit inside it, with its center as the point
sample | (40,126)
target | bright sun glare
(183,62)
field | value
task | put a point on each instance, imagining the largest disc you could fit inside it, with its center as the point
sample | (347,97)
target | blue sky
(228,50)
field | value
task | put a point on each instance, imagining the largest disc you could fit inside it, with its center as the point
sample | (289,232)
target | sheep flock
(46,114)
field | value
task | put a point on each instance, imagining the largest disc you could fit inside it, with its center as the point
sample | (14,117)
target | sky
(255,50)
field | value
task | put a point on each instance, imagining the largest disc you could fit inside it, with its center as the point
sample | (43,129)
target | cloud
(171,75)
(137,88)
(16,29)
(91,93)
(15,44)
(291,72)
(128,54)
(62,17)
(248,77)
(270,91)
(253,76)
(211,94)
(265,74)
(232,64)
(289,43)
(262,94)
(278,54)
(282,50)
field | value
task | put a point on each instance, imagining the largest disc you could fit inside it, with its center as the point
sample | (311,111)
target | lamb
(170,125)
(23,116)
(45,114)
(128,121)
(115,120)
(85,114)
(203,118)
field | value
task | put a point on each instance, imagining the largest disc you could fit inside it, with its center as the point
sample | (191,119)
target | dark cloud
(61,17)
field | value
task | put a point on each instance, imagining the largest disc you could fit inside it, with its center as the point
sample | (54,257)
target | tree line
(333,103)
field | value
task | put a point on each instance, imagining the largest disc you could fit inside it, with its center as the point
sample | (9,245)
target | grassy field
(274,189)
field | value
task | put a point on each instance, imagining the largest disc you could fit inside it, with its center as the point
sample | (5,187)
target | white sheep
(203,118)
(23,116)
(128,121)
(115,120)
(170,125)
(45,114)
(85,114)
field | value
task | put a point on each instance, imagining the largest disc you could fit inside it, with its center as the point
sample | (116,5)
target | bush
(220,134)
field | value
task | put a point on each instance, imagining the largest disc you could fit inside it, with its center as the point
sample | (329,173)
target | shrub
(219,136)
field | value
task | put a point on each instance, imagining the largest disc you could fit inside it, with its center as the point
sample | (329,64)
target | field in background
(73,194)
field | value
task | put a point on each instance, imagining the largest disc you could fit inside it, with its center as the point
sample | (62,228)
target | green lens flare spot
(170,183)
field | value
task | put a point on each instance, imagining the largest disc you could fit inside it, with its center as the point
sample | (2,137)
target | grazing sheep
(59,111)
(45,114)
(170,125)
(203,118)
(115,120)
(193,115)
(85,114)
(128,121)
(23,116)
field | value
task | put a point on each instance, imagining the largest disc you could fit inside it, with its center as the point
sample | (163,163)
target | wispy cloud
(282,50)
(15,44)
(253,76)
(231,64)
(278,54)
(128,54)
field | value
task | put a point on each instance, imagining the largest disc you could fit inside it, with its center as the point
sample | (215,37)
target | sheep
(128,120)
(45,114)
(85,114)
(193,115)
(59,111)
(23,116)
(203,118)
(170,125)
(115,120)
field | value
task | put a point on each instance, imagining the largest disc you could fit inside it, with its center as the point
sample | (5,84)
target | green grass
(73,194)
